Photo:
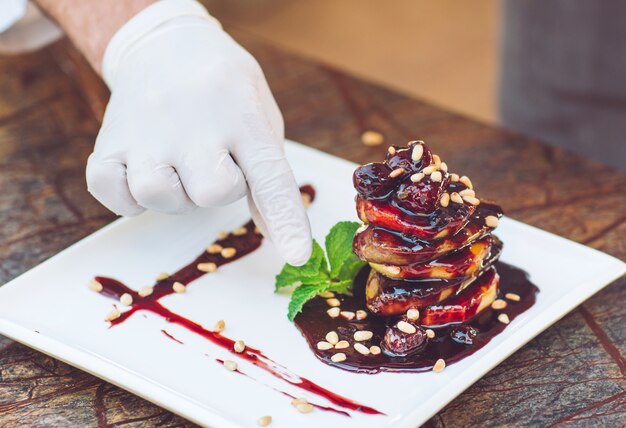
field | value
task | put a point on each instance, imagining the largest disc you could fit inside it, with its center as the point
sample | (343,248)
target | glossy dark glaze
(314,323)
(244,244)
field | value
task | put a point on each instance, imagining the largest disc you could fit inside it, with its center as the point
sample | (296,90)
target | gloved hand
(192,123)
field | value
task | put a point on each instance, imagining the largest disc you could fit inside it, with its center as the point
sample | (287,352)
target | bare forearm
(90,24)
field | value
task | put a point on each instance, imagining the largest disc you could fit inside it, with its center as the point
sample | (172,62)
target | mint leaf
(341,287)
(343,263)
(307,273)
(303,294)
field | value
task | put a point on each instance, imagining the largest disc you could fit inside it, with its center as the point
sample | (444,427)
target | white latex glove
(192,123)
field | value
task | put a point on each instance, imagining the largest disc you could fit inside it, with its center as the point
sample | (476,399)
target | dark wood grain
(574,374)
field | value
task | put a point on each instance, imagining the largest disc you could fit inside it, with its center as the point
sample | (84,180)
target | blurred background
(443,51)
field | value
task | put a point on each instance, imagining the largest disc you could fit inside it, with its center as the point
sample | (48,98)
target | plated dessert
(433,290)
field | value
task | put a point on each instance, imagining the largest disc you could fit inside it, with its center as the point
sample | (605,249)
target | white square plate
(51,309)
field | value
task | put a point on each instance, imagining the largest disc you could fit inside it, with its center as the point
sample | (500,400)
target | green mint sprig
(319,274)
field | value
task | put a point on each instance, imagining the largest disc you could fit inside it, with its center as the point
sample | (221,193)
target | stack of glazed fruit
(429,242)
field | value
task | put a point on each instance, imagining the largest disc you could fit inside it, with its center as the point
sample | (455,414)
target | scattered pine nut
(214,248)
(416,178)
(361,349)
(362,335)
(499,304)
(332,337)
(504,318)
(338,357)
(162,276)
(467,192)
(361,314)
(219,326)
(347,315)
(342,344)
(228,252)
(430,333)
(306,199)
(304,407)
(372,138)
(429,169)
(146,291)
(333,302)
(413,314)
(222,235)
(257,230)
(230,365)
(375,350)
(512,296)
(439,366)
(297,401)
(126,299)
(437,160)
(417,153)
(396,172)
(454,177)
(445,200)
(326,294)
(207,267)
(465,180)
(436,176)
(113,315)
(391,150)
(443,167)
(324,346)
(179,287)
(333,312)
(240,231)
(239,346)
(95,286)
(471,200)
(264,421)
(456,198)
(405,327)
(492,221)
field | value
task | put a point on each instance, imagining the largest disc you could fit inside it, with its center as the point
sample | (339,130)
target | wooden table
(50,107)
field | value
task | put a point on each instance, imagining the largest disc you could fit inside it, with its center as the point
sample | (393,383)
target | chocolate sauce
(448,344)
(244,244)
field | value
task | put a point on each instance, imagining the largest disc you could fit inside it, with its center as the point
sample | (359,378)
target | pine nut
(214,248)
(113,315)
(333,302)
(437,160)
(417,153)
(126,299)
(362,335)
(222,235)
(326,294)
(375,350)
(348,315)
(454,177)
(257,230)
(430,333)
(361,349)
(504,318)
(416,178)
(467,192)
(439,366)
(240,231)
(429,169)
(162,276)
(230,365)
(333,312)
(239,346)
(512,296)
(146,291)
(305,408)
(413,314)
(471,200)
(228,252)
(324,346)
(361,314)
(332,337)
(342,344)
(405,327)
(492,221)
(207,267)
(396,172)
(445,200)
(179,287)
(372,138)
(95,286)
(338,357)
(436,176)
(391,150)
(219,326)
(443,167)
(465,180)
(264,421)
(297,401)
(456,198)
(306,199)
(499,304)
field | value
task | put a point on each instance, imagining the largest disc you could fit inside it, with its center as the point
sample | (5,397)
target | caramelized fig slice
(465,305)
(402,343)
(379,245)
(458,264)
(386,296)
(436,225)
